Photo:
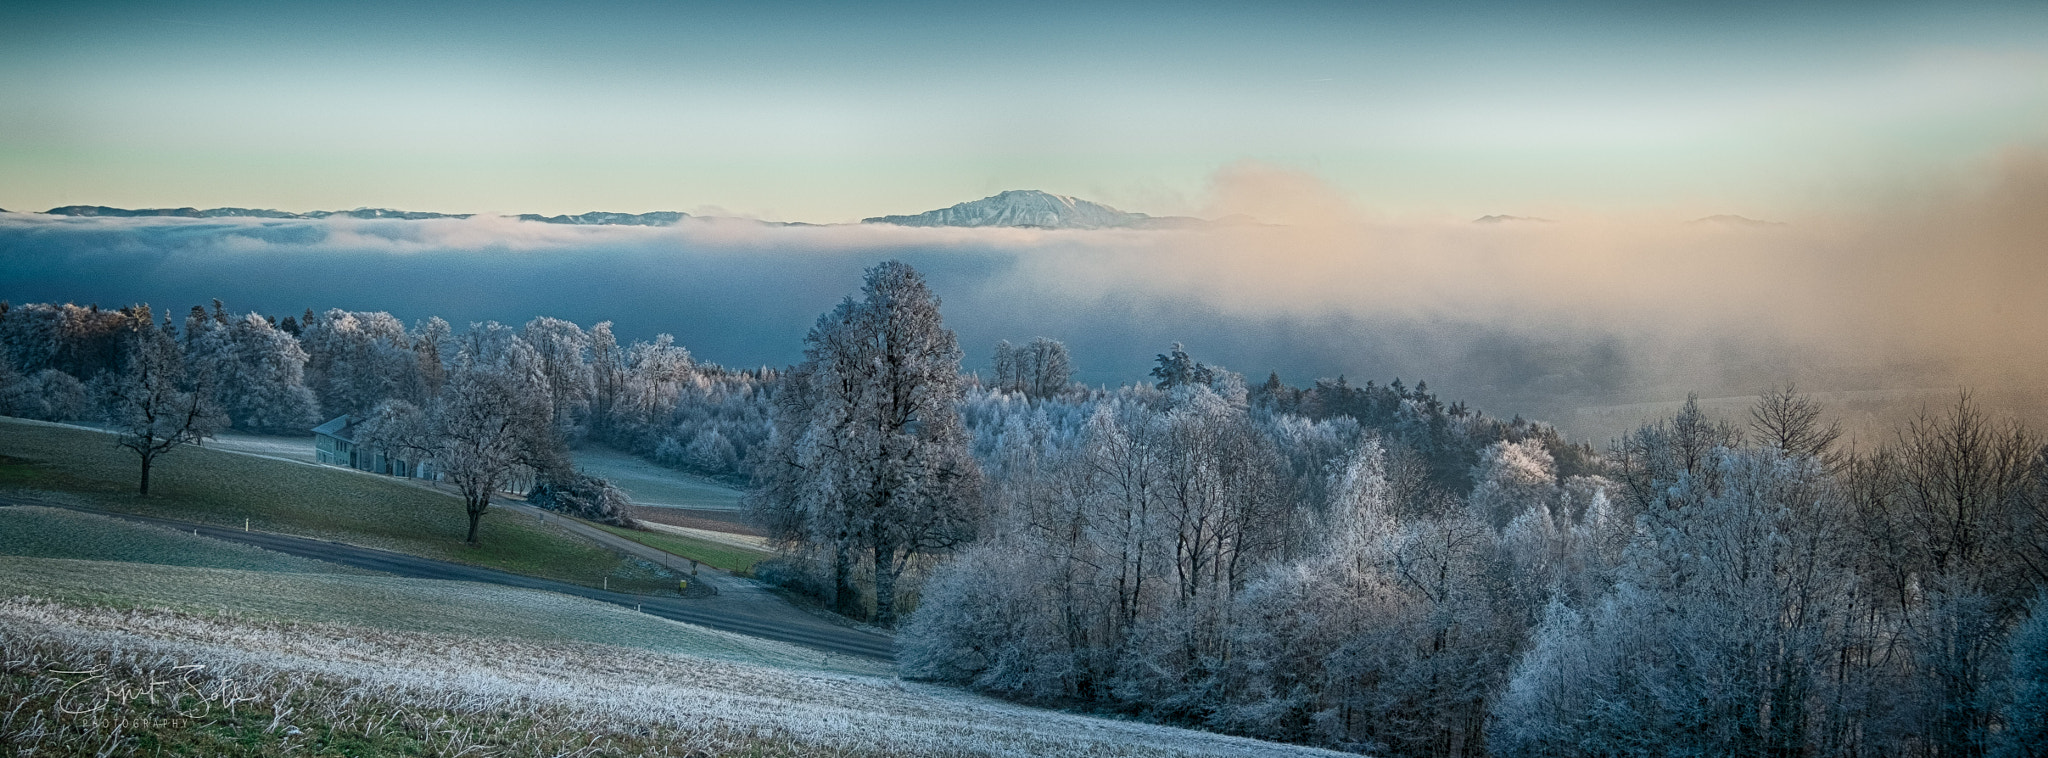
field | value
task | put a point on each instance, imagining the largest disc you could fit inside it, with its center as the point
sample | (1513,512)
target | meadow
(73,466)
(90,560)
(719,555)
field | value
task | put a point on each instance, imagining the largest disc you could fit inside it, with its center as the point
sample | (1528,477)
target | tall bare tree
(1784,419)
(487,427)
(150,404)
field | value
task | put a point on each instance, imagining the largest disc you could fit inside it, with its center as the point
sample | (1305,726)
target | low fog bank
(1587,322)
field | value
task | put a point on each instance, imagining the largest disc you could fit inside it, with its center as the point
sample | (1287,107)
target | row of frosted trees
(489,408)
(1191,553)
(283,376)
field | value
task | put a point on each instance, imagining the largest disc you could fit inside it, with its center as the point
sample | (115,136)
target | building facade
(334,444)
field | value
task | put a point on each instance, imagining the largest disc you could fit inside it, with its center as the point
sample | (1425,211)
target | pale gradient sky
(831,112)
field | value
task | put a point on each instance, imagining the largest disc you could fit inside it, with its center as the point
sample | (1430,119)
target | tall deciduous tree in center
(870,458)
(150,403)
(490,424)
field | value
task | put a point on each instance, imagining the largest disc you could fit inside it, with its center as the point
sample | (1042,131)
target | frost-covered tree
(355,360)
(1794,423)
(152,404)
(1041,368)
(257,370)
(1513,478)
(607,377)
(869,453)
(1051,367)
(563,350)
(2025,732)
(1389,638)
(583,496)
(1177,368)
(1716,637)
(1654,457)
(489,427)
(656,373)
(1007,373)
(83,341)
(982,622)
(274,396)
(46,395)
(433,341)
(1943,511)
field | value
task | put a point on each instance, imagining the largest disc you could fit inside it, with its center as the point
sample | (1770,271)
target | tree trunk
(845,598)
(145,475)
(885,585)
(476,514)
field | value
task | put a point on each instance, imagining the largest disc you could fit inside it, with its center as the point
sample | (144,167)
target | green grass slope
(732,558)
(83,467)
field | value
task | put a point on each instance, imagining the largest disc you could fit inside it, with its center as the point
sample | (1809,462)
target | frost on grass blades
(80,681)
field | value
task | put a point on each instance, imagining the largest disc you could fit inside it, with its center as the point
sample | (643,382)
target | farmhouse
(334,444)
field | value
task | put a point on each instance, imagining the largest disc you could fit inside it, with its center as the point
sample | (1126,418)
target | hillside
(266,654)
(75,466)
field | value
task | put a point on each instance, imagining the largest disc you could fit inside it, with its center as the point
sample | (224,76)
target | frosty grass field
(84,678)
(240,651)
(652,485)
(85,559)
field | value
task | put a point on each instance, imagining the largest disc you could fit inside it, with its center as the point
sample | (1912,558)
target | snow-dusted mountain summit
(1035,209)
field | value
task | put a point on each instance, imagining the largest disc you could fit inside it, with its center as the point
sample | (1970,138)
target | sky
(1903,146)
(830,112)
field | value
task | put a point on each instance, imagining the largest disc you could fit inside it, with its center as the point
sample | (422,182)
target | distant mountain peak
(1035,209)
(1505,219)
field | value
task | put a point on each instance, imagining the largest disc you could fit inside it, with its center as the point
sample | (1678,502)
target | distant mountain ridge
(1026,209)
(1021,209)
(1034,209)
(593,218)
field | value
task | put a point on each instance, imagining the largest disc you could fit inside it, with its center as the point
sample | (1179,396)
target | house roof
(337,428)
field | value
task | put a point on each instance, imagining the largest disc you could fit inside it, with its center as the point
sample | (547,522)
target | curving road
(741,606)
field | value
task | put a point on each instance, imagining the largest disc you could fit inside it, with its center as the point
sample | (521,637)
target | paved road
(744,609)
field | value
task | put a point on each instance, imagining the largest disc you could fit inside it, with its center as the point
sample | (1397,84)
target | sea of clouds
(1921,291)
